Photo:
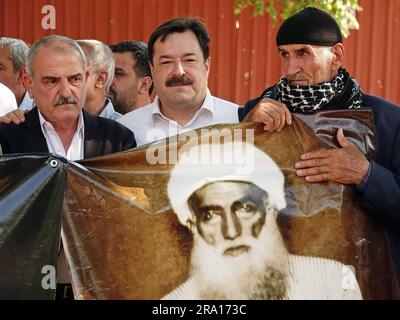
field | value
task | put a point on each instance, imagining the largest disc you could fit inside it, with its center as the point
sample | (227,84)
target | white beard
(260,273)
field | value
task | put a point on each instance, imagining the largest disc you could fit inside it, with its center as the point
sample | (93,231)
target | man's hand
(346,165)
(272,113)
(16,116)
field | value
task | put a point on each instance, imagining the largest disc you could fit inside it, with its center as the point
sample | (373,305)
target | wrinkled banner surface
(123,241)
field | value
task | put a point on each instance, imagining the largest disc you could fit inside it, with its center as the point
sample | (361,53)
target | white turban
(7,100)
(233,161)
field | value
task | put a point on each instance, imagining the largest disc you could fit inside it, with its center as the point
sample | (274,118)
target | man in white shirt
(13,54)
(180,63)
(101,64)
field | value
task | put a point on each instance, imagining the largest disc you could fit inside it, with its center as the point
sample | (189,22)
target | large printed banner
(215,213)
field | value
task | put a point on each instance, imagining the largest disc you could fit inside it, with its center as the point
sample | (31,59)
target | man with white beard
(231,206)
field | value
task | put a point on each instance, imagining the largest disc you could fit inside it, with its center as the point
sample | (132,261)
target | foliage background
(344,11)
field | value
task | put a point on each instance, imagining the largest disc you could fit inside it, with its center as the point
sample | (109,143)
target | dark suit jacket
(102,136)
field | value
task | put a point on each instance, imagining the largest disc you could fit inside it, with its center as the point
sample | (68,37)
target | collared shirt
(149,124)
(55,145)
(109,111)
(27,103)
(75,152)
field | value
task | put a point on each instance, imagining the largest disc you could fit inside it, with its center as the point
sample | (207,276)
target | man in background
(101,64)
(132,85)
(13,54)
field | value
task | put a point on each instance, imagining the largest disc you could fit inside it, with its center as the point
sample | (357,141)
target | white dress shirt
(55,145)
(149,124)
(109,111)
(27,103)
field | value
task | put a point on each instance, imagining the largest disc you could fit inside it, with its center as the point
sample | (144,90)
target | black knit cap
(309,26)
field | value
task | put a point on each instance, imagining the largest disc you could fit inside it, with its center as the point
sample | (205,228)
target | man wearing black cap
(311,51)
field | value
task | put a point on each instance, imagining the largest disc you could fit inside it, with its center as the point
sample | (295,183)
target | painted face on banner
(229,215)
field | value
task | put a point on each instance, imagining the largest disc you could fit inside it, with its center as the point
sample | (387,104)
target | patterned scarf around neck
(305,99)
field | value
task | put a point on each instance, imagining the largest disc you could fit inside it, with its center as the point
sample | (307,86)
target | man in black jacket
(311,51)
(56,80)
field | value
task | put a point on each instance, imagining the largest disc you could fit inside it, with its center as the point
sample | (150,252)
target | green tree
(344,11)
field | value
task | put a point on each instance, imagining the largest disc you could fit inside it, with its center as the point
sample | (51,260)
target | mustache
(182,80)
(296,77)
(62,100)
(236,250)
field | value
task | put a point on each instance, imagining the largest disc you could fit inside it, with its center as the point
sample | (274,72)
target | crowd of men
(82,98)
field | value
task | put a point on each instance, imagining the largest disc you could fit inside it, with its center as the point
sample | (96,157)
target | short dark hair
(181,25)
(139,53)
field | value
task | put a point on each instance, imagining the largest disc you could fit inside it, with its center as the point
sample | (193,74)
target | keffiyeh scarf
(306,99)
